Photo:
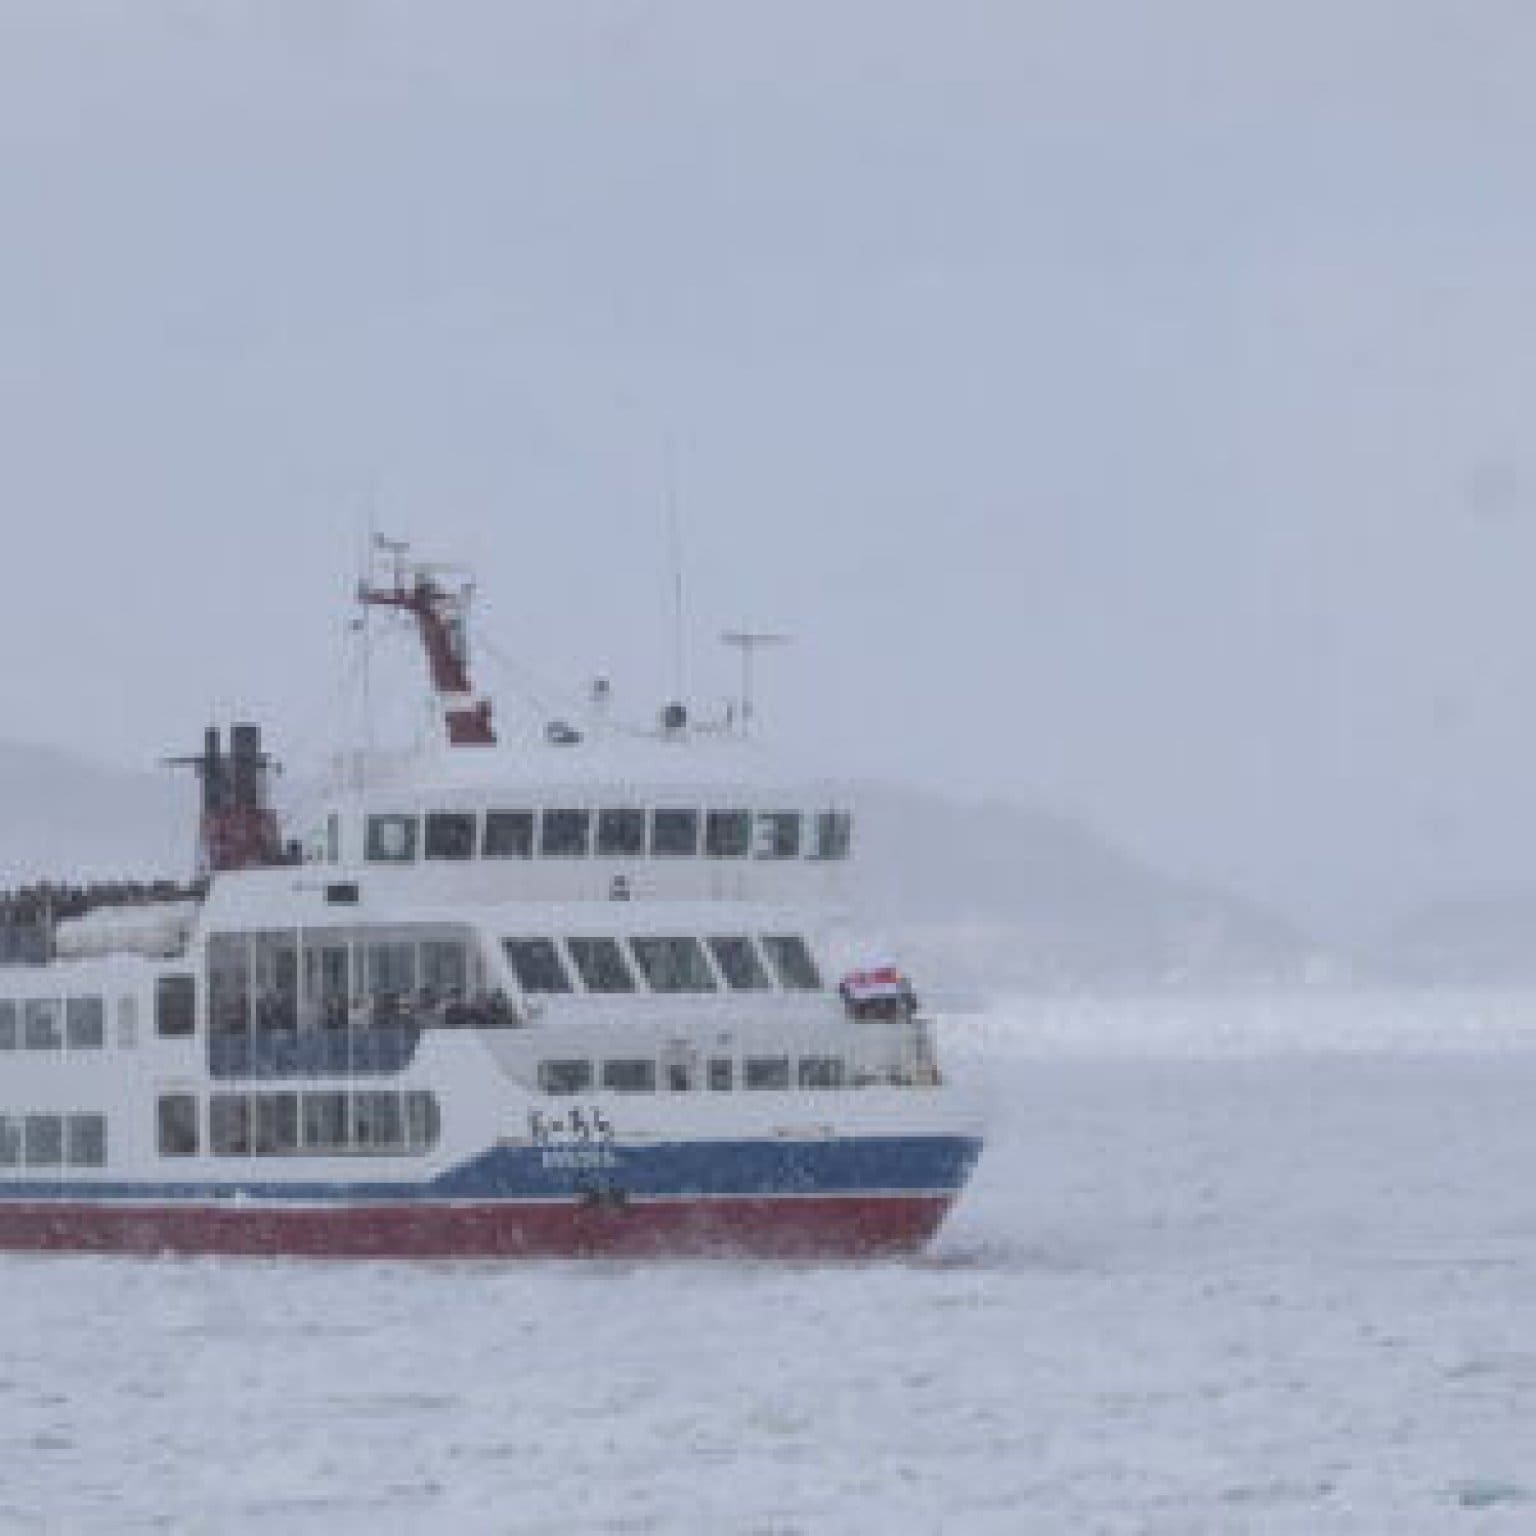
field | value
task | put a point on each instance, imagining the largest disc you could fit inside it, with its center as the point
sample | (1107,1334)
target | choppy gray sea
(1229,1266)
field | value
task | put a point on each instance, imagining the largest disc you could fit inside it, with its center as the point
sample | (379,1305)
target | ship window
(509,834)
(277,1124)
(7,1026)
(333,839)
(127,1022)
(728,834)
(673,965)
(86,1141)
(392,969)
(537,965)
(44,1141)
(679,1078)
(621,833)
(792,962)
(177,1116)
(325,1121)
(392,839)
(85,1023)
(778,834)
(565,1076)
(629,1076)
(229,1125)
(43,1018)
(721,1076)
(675,834)
(600,964)
(377,1123)
(834,834)
(821,1072)
(444,969)
(175,1005)
(423,1119)
(739,964)
(450,835)
(10,1142)
(229,984)
(770,1072)
(565,834)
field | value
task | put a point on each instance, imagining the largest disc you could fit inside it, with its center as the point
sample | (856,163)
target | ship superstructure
(584,995)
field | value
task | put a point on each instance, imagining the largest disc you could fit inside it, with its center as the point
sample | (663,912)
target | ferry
(588,994)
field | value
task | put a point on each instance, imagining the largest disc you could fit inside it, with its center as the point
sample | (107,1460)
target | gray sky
(1128,407)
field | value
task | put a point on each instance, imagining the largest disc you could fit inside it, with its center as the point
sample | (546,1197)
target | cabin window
(392,839)
(377,1122)
(565,1076)
(276,1127)
(834,835)
(450,835)
(444,969)
(822,1072)
(392,969)
(127,1022)
(778,835)
(738,962)
(325,1121)
(229,1125)
(728,834)
(423,1119)
(10,1142)
(722,1076)
(635,1076)
(675,834)
(175,1005)
(537,965)
(229,985)
(43,1018)
(7,1026)
(673,965)
(85,1023)
(766,1072)
(333,838)
(508,834)
(86,1141)
(565,834)
(44,1141)
(600,964)
(679,1078)
(177,1125)
(621,833)
(792,963)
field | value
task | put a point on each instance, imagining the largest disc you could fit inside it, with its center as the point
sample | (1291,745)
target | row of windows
(51,1023)
(292,1124)
(619,832)
(640,1075)
(682,964)
(53,1141)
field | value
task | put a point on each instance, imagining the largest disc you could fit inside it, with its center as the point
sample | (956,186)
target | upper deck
(685,817)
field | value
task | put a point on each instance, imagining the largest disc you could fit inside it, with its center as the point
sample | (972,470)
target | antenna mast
(749,642)
(441,612)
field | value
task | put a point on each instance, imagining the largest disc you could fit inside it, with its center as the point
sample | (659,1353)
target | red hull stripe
(851,1226)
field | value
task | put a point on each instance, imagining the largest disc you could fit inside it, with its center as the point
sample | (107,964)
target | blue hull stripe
(936,1165)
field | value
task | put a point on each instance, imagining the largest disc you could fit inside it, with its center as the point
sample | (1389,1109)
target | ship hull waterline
(854,1226)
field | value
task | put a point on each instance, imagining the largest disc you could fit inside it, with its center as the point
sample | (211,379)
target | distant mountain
(1485,937)
(997,895)
(977,897)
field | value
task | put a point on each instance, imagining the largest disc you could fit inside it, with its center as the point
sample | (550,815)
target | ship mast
(438,598)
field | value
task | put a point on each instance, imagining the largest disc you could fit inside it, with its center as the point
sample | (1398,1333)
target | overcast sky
(1128,407)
